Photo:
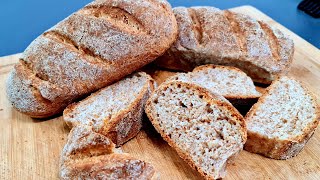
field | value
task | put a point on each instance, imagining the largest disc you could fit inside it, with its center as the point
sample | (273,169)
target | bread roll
(208,35)
(95,46)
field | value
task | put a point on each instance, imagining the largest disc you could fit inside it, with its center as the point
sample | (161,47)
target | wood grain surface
(30,148)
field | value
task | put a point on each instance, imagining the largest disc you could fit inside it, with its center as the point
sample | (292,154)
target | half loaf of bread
(230,82)
(89,155)
(92,48)
(114,111)
(204,128)
(208,35)
(283,120)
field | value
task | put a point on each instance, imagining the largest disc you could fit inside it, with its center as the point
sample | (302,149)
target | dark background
(23,20)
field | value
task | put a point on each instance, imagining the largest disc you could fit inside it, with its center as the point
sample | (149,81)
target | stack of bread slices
(219,55)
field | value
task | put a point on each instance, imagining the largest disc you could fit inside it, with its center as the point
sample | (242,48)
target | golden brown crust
(90,155)
(208,96)
(209,35)
(95,46)
(275,148)
(112,166)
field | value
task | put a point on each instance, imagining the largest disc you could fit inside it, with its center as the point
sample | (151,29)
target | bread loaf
(114,111)
(204,128)
(230,82)
(283,120)
(95,46)
(208,35)
(89,155)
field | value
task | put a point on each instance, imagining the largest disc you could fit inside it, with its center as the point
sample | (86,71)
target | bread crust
(209,35)
(208,96)
(92,48)
(89,155)
(276,148)
(123,125)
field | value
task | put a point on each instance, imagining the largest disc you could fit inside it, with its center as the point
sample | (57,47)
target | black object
(311,7)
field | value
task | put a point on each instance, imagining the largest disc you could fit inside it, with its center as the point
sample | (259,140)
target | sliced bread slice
(283,120)
(204,128)
(115,111)
(230,82)
(89,155)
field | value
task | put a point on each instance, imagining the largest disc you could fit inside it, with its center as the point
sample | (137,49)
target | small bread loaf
(283,120)
(89,155)
(204,128)
(208,35)
(114,111)
(92,48)
(230,82)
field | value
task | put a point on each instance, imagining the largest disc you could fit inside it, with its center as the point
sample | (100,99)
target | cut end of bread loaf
(204,128)
(230,82)
(283,120)
(115,111)
(89,155)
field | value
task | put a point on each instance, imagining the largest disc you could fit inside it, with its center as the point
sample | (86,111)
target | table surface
(23,21)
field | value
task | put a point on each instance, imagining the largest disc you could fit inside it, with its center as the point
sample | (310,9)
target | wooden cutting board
(30,148)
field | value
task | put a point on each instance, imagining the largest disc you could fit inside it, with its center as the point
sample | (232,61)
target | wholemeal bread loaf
(204,128)
(230,82)
(95,46)
(283,120)
(89,155)
(114,111)
(208,35)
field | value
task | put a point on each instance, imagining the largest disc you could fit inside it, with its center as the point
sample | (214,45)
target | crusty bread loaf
(204,128)
(89,155)
(95,46)
(114,111)
(208,35)
(230,82)
(283,120)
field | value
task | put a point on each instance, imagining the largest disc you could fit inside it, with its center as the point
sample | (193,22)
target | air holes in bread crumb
(182,104)
(155,101)
(208,108)
(284,120)
(233,122)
